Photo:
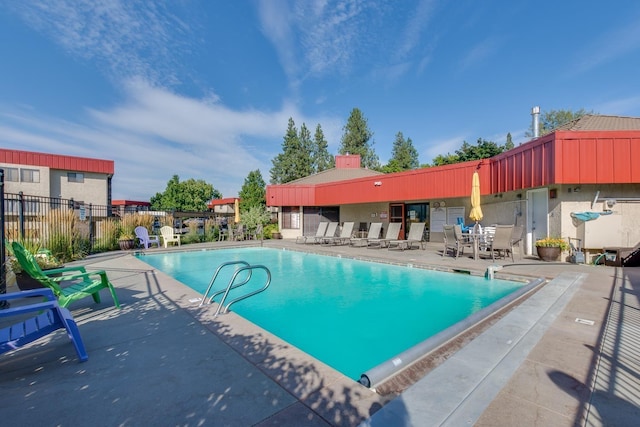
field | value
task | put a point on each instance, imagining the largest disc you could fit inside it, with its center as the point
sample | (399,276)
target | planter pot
(126,244)
(549,253)
(276,235)
(26,282)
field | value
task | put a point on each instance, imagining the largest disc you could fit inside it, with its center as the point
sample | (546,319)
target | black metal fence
(47,219)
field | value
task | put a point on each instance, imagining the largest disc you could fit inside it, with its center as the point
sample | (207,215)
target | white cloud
(155,134)
(611,46)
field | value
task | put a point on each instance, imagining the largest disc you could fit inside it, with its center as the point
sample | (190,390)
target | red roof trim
(57,161)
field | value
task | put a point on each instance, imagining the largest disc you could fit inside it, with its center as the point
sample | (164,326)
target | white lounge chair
(415,236)
(393,232)
(344,237)
(320,232)
(374,233)
(168,236)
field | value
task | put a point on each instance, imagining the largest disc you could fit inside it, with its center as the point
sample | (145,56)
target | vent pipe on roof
(535,112)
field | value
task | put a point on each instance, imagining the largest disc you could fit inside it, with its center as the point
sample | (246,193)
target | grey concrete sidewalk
(162,360)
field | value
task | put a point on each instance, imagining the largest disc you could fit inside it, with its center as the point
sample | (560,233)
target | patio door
(396,214)
(537,217)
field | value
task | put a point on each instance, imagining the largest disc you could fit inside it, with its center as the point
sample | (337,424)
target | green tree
(482,150)
(252,193)
(553,119)
(404,156)
(322,159)
(509,144)
(355,140)
(190,195)
(295,160)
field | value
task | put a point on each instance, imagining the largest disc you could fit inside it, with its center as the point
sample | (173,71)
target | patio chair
(502,241)
(168,236)
(393,232)
(464,228)
(145,239)
(83,283)
(516,238)
(320,232)
(344,237)
(374,233)
(415,235)
(49,317)
(455,240)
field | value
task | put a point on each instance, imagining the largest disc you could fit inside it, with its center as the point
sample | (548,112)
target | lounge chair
(414,237)
(168,236)
(84,284)
(320,232)
(49,317)
(330,234)
(374,233)
(344,237)
(393,232)
(455,240)
(145,239)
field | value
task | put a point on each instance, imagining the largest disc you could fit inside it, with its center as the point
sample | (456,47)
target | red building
(584,166)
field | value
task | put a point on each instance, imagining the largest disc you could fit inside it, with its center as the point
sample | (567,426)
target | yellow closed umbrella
(236,208)
(476,210)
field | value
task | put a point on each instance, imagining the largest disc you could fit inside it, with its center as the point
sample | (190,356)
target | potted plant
(550,248)
(45,260)
(127,238)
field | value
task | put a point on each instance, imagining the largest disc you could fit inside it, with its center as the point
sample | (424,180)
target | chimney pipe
(535,112)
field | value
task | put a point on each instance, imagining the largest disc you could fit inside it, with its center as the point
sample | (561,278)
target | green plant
(553,242)
(43,257)
(128,223)
(269,229)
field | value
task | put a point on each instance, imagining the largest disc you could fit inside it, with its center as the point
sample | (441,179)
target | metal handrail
(215,275)
(230,286)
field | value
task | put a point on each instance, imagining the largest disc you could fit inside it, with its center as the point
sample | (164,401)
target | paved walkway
(568,356)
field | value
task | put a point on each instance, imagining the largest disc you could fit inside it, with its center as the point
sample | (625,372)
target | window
(11,174)
(290,217)
(29,175)
(75,177)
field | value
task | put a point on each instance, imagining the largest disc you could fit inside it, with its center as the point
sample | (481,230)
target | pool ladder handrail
(215,275)
(233,285)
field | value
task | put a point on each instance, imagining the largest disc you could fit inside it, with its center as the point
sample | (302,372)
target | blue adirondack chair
(49,317)
(463,227)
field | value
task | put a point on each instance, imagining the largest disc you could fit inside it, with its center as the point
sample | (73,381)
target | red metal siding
(598,157)
(558,158)
(56,161)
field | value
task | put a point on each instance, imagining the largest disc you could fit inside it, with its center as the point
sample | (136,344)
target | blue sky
(204,89)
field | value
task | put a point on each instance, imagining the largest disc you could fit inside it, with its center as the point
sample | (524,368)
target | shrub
(553,242)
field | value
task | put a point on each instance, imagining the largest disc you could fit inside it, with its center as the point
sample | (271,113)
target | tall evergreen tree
(509,144)
(404,156)
(305,155)
(322,159)
(295,160)
(253,191)
(355,140)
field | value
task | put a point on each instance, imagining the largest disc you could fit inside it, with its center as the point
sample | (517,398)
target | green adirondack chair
(82,283)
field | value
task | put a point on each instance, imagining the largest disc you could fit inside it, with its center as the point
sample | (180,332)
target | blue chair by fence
(49,317)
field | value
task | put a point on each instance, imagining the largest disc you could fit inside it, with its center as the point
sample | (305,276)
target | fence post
(20,213)
(91,227)
(3,266)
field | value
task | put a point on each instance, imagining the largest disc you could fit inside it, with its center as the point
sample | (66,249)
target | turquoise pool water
(350,314)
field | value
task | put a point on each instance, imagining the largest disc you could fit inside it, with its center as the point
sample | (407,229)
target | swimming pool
(350,314)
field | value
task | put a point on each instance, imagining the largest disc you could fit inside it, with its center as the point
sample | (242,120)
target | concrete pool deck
(162,360)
